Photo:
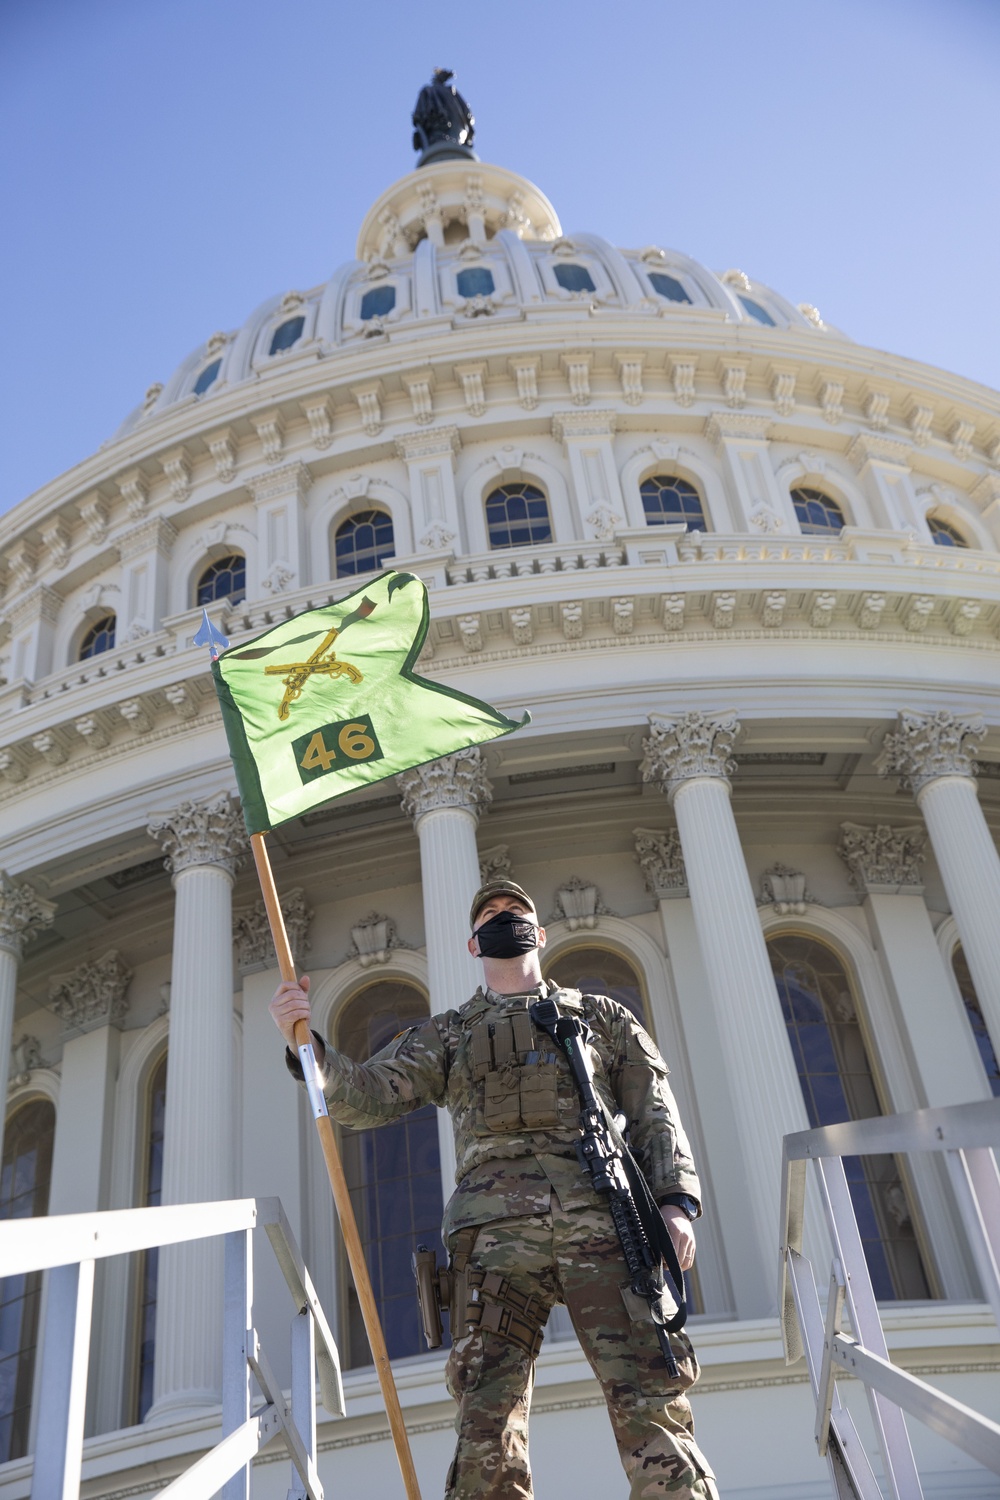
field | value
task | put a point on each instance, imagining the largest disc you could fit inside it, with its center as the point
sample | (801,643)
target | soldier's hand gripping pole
(338,1182)
(646,1244)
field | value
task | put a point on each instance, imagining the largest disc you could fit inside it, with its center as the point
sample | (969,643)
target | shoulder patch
(646,1043)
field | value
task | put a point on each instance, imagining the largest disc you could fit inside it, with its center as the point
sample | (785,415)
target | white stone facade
(707,754)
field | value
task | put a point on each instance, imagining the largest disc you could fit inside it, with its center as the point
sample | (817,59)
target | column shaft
(8,998)
(199,1138)
(970,868)
(756,1058)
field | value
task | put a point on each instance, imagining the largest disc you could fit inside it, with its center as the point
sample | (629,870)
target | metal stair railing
(967,1134)
(69,1245)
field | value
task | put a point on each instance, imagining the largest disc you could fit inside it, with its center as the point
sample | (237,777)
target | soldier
(525,1228)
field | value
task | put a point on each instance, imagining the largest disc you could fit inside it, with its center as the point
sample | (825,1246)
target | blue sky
(169,165)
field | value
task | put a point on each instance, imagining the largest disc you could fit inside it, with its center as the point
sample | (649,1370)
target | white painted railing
(967,1134)
(68,1246)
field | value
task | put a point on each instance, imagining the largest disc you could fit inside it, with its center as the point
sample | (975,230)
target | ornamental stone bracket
(494,864)
(884,860)
(25,1058)
(252,932)
(785,889)
(207,832)
(93,995)
(660,858)
(23,913)
(457,780)
(373,939)
(579,904)
(928,746)
(693,745)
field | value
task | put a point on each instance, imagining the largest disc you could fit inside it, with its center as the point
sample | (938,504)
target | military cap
(499,887)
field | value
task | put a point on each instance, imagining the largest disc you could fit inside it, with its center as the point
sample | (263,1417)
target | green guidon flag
(329,700)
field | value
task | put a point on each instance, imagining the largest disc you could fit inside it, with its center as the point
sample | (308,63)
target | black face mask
(507,935)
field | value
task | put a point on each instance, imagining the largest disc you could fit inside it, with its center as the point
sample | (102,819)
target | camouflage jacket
(506,1168)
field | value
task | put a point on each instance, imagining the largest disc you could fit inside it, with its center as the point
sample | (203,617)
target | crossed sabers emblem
(319,664)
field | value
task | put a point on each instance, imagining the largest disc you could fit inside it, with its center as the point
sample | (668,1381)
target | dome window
(667,500)
(574,278)
(363,543)
(760,314)
(224,579)
(99,638)
(817,514)
(667,286)
(517,515)
(475,281)
(944,533)
(287,334)
(378,302)
(208,377)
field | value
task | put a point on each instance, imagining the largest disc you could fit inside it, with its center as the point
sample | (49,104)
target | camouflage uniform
(525,1211)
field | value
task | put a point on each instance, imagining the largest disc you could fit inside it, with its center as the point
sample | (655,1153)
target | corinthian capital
(209,832)
(22,914)
(457,780)
(883,859)
(928,746)
(677,750)
(661,861)
(93,995)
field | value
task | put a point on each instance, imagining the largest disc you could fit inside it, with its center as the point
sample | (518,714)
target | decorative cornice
(721,427)
(23,913)
(927,746)
(661,860)
(41,604)
(457,780)
(692,746)
(209,832)
(883,859)
(155,535)
(252,932)
(436,442)
(579,424)
(93,995)
(867,447)
(291,479)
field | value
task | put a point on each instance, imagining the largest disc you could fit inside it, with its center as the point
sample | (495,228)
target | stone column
(932,1059)
(203,844)
(282,554)
(930,753)
(689,759)
(445,800)
(22,914)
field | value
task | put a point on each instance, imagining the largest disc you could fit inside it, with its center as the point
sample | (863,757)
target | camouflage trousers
(574,1258)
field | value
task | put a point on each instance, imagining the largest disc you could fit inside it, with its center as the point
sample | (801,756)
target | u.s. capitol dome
(743,570)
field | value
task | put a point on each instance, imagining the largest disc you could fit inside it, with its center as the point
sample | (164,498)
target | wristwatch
(690,1205)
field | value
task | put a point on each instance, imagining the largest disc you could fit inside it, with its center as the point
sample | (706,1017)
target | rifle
(646,1244)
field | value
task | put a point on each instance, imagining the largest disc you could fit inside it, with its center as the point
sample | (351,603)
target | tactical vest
(522,1081)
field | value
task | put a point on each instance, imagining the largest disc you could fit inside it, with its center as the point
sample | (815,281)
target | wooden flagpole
(338,1183)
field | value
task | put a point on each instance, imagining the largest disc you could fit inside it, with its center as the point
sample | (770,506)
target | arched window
(379,301)
(150,1197)
(100,637)
(837,1084)
(977,1021)
(226,578)
(818,515)
(758,313)
(600,971)
(475,281)
(286,334)
(394,1177)
(24,1194)
(944,533)
(667,500)
(207,377)
(363,543)
(574,278)
(517,515)
(668,287)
